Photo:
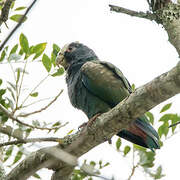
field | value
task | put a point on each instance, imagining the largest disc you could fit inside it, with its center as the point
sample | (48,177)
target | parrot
(96,86)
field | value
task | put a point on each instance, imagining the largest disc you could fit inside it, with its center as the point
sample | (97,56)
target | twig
(45,99)
(134,166)
(5,11)
(16,27)
(140,14)
(132,172)
(18,91)
(31,140)
(42,109)
(9,114)
(34,90)
(174,124)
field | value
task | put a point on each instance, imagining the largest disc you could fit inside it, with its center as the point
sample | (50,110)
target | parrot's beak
(61,60)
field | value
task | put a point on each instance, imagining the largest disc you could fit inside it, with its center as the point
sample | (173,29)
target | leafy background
(29,74)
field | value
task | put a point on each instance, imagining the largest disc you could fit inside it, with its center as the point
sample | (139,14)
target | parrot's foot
(90,122)
(82,126)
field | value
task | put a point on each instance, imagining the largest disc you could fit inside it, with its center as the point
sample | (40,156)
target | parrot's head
(74,52)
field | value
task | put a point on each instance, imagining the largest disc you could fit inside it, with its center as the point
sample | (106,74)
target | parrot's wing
(105,81)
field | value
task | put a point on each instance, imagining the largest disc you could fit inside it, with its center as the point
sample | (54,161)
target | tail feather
(142,133)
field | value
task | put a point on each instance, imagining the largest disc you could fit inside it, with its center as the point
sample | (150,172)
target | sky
(139,47)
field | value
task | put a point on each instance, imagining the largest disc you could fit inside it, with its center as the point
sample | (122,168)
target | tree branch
(146,15)
(31,140)
(42,109)
(165,13)
(17,26)
(9,114)
(5,11)
(108,124)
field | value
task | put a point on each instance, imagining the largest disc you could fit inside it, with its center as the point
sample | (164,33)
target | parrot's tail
(142,133)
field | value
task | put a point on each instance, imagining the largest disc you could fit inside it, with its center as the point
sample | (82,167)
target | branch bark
(17,26)
(5,11)
(145,15)
(166,13)
(108,124)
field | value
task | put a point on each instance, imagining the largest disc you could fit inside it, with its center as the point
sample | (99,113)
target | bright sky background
(139,47)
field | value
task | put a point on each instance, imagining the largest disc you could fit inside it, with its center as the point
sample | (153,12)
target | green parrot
(96,86)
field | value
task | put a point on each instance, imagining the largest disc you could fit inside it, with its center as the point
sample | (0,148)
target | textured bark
(170,19)
(108,124)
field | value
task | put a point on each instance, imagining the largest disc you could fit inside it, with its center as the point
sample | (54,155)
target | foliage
(12,93)
(12,99)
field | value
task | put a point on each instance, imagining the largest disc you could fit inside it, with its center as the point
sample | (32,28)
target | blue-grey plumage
(96,86)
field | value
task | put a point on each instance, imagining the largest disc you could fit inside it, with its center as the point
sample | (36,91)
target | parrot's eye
(70,49)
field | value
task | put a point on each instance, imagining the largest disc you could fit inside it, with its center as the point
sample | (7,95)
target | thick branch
(165,13)
(5,11)
(146,15)
(169,17)
(17,26)
(30,140)
(108,124)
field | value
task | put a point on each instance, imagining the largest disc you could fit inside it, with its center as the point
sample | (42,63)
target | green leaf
(37,176)
(38,49)
(24,43)
(35,94)
(3,54)
(133,87)
(107,164)
(14,49)
(118,143)
(1,81)
(166,117)
(166,107)
(174,119)
(4,117)
(8,152)
(20,8)
(2,91)
(17,18)
(21,52)
(158,174)
(146,158)
(92,163)
(12,5)
(59,72)
(18,75)
(17,157)
(28,131)
(35,123)
(46,62)
(150,117)
(56,124)
(126,150)
(56,49)
(163,129)
(14,57)
(54,53)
